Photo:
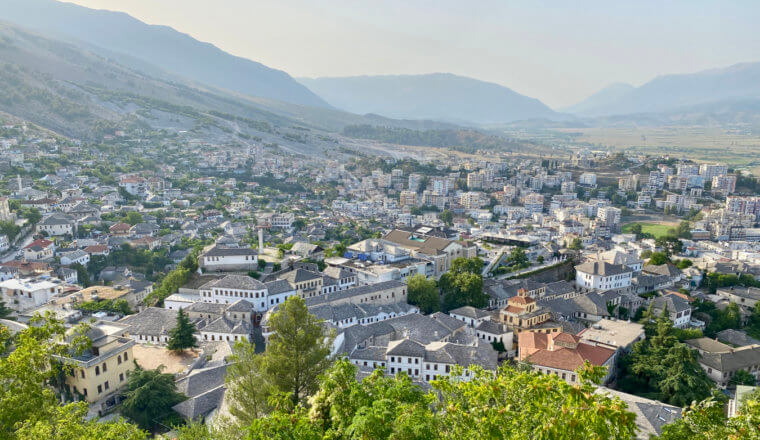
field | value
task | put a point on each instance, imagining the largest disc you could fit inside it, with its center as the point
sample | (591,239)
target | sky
(557,51)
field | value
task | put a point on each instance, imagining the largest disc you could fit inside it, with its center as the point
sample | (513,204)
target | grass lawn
(657,230)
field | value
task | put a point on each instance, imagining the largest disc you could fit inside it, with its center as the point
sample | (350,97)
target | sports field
(656,229)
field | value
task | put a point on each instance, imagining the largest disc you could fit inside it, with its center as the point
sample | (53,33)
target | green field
(656,229)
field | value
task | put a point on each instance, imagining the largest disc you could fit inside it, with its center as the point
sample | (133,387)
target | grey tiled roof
(348,293)
(242,282)
(218,251)
(278,286)
(152,321)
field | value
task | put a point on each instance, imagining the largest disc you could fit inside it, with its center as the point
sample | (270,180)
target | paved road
(11,254)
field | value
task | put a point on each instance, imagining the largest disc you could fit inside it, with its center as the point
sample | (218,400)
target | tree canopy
(182,336)
(149,397)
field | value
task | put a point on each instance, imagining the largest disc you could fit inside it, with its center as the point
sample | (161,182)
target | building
(721,361)
(220,259)
(613,334)
(679,310)
(562,354)
(600,275)
(232,288)
(57,224)
(408,198)
(744,296)
(103,369)
(587,179)
(22,294)
(39,249)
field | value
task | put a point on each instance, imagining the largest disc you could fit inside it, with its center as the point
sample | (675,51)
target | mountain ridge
(159,45)
(438,96)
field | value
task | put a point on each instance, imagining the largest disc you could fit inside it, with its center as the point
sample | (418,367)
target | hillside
(604,97)
(687,93)
(438,96)
(138,45)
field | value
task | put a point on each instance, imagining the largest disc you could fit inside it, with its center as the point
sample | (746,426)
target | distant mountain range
(721,89)
(438,96)
(139,45)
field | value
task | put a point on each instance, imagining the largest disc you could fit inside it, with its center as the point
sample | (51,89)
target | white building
(222,259)
(22,294)
(596,275)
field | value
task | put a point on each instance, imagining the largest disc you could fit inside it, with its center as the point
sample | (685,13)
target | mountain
(604,97)
(438,96)
(682,92)
(137,45)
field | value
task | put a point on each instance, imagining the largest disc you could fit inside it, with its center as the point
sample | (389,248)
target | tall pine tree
(182,337)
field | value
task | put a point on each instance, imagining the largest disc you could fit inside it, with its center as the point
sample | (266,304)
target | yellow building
(98,373)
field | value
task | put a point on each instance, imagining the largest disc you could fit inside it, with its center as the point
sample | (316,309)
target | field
(656,229)
(736,147)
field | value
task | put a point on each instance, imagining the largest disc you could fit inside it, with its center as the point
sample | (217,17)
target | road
(11,254)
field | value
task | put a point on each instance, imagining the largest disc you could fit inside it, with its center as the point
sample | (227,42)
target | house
(150,326)
(39,249)
(22,294)
(232,288)
(424,347)
(220,259)
(75,257)
(204,388)
(721,361)
(744,296)
(306,282)
(102,370)
(97,249)
(470,315)
(308,250)
(679,309)
(613,334)
(600,275)
(562,354)
(120,229)
(57,224)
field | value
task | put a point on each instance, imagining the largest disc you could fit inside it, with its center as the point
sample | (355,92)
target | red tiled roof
(39,242)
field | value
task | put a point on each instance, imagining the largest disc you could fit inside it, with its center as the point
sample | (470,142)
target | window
(118,359)
(121,377)
(81,373)
(125,356)
(100,389)
(106,384)
(97,371)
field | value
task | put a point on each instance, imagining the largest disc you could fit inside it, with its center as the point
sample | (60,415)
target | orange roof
(120,227)
(39,242)
(521,300)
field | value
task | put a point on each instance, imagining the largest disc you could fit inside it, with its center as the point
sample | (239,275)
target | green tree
(5,312)
(743,377)
(663,368)
(658,258)
(133,218)
(182,336)
(149,397)
(706,420)
(68,422)
(636,229)
(670,244)
(423,293)
(249,386)
(684,230)
(298,350)
(489,406)
(576,244)
(447,217)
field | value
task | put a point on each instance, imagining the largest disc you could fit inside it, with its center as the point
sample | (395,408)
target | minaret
(18,179)
(261,239)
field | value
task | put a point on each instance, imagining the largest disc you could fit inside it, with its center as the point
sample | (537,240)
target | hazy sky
(557,51)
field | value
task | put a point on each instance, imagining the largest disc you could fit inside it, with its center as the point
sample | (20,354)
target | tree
(743,377)
(5,312)
(706,420)
(663,368)
(658,258)
(447,217)
(26,399)
(683,264)
(636,229)
(83,277)
(423,293)
(248,385)
(392,407)
(182,336)
(670,244)
(684,230)
(149,397)
(466,265)
(68,422)
(133,218)
(298,350)
(576,244)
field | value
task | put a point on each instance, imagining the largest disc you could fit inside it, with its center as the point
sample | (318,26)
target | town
(175,253)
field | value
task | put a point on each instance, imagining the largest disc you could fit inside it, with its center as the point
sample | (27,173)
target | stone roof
(152,321)
(651,415)
(736,359)
(470,312)
(602,268)
(240,282)
(278,286)
(355,291)
(218,251)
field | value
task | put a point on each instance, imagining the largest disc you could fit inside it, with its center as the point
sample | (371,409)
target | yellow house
(98,373)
